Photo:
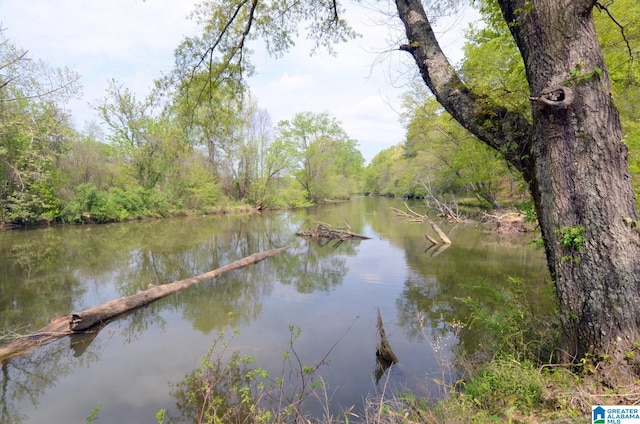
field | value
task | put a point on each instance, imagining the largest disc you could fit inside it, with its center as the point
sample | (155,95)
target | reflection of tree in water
(32,288)
(25,379)
(219,242)
(186,248)
(138,254)
(229,300)
(436,302)
(422,303)
(310,267)
(51,269)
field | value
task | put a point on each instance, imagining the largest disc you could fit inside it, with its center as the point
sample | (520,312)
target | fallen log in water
(78,322)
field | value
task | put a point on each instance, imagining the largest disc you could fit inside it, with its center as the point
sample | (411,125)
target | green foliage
(197,140)
(578,75)
(192,188)
(160,416)
(34,134)
(93,416)
(492,65)
(503,383)
(572,238)
(91,204)
(226,388)
(439,151)
(387,173)
(289,195)
(229,27)
(504,374)
(324,160)
(619,35)
(148,145)
(504,324)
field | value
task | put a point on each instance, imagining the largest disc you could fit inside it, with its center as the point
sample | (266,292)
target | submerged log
(79,322)
(433,241)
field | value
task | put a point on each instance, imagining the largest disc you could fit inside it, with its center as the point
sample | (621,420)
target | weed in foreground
(226,388)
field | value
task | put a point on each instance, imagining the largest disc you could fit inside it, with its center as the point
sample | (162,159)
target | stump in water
(384,352)
(386,358)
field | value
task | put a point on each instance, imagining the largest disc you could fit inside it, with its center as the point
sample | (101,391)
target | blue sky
(133,42)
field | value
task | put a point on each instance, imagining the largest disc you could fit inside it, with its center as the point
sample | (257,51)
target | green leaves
(223,49)
(572,238)
(437,149)
(34,134)
(323,159)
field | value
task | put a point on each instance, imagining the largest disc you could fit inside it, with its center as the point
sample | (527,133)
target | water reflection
(313,267)
(322,289)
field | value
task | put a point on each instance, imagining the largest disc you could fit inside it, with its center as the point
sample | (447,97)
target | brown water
(131,367)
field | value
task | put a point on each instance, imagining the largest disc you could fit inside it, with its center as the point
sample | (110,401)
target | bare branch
(604,8)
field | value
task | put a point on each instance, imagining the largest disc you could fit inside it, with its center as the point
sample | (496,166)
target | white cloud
(133,41)
(129,40)
(292,83)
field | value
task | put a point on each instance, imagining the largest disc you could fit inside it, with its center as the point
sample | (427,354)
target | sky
(133,42)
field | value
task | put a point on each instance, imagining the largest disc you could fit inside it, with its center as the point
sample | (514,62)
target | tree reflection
(31,290)
(312,268)
(439,299)
(25,379)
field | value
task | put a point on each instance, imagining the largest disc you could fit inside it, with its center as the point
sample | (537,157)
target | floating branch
(92,318)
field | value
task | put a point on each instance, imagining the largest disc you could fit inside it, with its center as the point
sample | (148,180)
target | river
(133,367)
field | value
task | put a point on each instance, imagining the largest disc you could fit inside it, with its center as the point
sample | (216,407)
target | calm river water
(131,368)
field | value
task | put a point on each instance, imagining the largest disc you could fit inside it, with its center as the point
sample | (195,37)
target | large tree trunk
(581,177)
(572,156)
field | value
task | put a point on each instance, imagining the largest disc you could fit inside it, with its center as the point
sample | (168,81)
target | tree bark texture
(581,177)
(78,322)
(571,154)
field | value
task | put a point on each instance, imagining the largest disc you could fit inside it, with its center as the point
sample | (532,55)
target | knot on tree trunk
(555,97)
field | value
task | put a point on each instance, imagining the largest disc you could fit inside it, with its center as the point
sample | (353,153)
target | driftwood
(508,223)
(79,322)
(445,209)
(325,231)
(412,216)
